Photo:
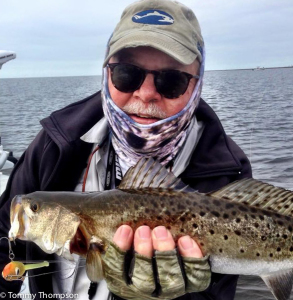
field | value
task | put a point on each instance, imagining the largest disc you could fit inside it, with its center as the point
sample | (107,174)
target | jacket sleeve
(23,179)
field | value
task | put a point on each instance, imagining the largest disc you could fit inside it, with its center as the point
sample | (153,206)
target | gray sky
(68,37)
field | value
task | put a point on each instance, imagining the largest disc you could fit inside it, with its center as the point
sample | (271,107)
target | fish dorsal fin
(259,194)
(279,283)
(148,173)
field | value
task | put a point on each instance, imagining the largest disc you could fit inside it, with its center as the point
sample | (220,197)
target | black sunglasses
(128,78)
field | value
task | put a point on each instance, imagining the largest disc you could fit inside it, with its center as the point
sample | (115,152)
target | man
(149,106)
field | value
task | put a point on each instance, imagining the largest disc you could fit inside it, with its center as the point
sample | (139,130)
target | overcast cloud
(68,37)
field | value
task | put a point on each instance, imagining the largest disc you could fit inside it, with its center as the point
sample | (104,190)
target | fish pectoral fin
(94,264)
(279,283)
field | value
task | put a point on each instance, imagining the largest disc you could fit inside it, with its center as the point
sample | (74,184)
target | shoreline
(251,69)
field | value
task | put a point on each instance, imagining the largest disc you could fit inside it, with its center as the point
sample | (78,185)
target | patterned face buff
(161,140)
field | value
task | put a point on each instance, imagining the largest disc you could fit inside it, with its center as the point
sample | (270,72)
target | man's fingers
(123,237)
(188,247)
(162,239)
(143,241)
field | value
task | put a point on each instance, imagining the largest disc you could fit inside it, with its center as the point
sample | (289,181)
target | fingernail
(161,232)
(124,231)
(144,232)
(187,242)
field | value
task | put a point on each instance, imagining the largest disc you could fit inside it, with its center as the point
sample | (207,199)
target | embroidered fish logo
(153,17)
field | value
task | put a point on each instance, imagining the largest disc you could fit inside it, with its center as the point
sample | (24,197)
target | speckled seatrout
(246,227)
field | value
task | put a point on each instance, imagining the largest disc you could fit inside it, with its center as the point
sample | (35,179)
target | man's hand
(174,277)
(160,239)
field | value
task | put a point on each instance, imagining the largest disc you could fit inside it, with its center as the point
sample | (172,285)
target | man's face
(146,105)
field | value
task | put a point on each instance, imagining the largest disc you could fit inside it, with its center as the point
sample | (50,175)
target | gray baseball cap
(166,25)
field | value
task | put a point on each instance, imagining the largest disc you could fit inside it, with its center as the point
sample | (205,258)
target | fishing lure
(15,269)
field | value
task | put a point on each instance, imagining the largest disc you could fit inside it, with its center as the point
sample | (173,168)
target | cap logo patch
(153,17)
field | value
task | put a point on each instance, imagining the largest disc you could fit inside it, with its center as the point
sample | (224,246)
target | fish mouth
(18,220)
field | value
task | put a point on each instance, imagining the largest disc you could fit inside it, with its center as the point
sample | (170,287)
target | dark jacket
(57,157)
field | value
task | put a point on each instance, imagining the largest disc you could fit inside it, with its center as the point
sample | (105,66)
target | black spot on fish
(193,216)
(135,141)
(159,218)
(257,254)
(243,208)
(234,213)
(168,213)
(263,238)
(253,210)
(280,222)
(229,205)
(241,250)
(216,214)
(238,220)
(202,213)
(168,227)
(220,250)
(261,217)
(291,249)
(180,206)
(217,202)
(290,228)
(256,225)
(182,230)
(225,216)
(253,216)
(237,232)
(155,204)
(212,231)
(225,237)
(285,236)
(278,249)
(202,244)
(182,219)
(194,225)
(271,254)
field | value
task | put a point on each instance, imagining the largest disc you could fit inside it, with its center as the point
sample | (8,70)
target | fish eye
(35,207)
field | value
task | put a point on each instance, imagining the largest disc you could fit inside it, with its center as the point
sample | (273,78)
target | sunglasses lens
(171,84)
(126,78)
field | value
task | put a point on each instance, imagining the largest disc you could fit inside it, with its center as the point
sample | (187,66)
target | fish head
(46,223)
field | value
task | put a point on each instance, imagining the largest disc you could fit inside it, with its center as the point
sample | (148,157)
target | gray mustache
(139,108)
